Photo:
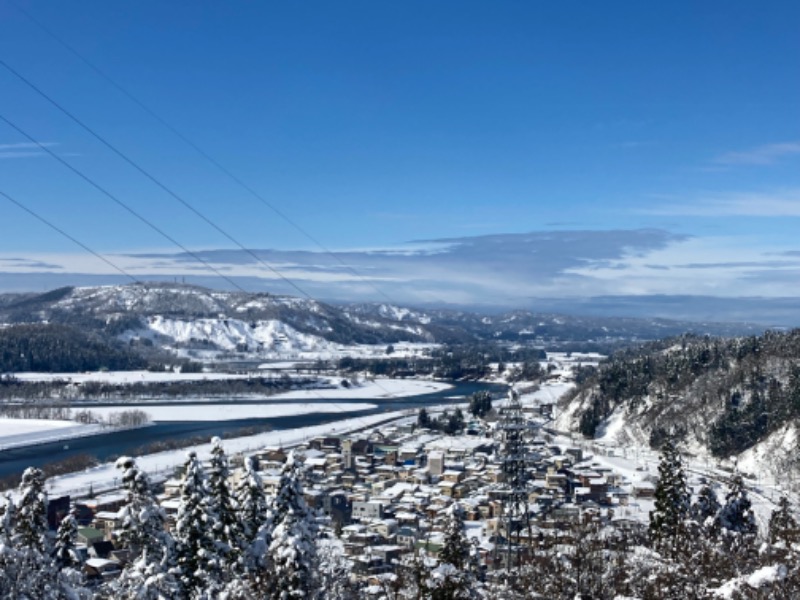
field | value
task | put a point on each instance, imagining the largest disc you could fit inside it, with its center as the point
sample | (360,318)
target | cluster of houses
(383,494)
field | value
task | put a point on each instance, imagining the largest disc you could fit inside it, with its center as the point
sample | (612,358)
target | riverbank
(106,447)
(20,433)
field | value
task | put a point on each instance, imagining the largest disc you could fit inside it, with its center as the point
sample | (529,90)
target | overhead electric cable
(56,228)
(146,221)
(152,178)
(123,204)
(222,168)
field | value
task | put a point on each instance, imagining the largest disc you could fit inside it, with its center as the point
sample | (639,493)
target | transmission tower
(513,431)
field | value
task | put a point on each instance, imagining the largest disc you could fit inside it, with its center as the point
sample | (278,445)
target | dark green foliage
(452,362)
(30,524)
(705,510)
(530,370)
(58,348)
(668,518)
(480,403)
(65,554)
(423,418)
(736,515)
(756,380)
(783,526)
(447,422)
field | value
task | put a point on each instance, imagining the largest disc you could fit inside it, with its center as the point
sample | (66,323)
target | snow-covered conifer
(199,562)
(8,513)
(737,514)
(455,550)
(292,552)
(451,579)
(667,519)
(66,537)
(253,512)
(783,527)
(227,528)
(149,573)
(30,522)
(30,570)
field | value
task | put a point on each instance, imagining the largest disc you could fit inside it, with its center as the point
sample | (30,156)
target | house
(436,463)
(644,489)
(102,568)
(368,510)
(407,536)
(90,535)
(386,528)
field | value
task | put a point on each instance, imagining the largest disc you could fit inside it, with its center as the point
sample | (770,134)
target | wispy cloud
(499,270)
(760,155)
(23,150)
(25,146)
(784,203)
(5,155)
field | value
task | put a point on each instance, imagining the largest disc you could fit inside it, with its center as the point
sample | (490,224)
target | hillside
(190,316)
(60,348)
(720,397)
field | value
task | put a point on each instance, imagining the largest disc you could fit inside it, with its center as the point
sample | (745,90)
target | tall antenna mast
(514,521)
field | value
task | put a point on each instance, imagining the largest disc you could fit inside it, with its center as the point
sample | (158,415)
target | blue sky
(374,124)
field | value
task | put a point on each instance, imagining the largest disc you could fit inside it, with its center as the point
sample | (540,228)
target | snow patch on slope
(228,334)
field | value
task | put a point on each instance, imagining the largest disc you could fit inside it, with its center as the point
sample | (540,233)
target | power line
(55,227)
(121,203)
(152,178)
(232,176)
(149,223)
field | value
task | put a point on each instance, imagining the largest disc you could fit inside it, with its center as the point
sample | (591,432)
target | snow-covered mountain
(227,320)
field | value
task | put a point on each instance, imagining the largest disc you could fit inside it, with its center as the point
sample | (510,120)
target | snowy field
(366,389)
(15,433)
(380,388)
(123,377)
(232,412)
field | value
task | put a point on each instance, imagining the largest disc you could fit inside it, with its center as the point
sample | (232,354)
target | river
(108,446)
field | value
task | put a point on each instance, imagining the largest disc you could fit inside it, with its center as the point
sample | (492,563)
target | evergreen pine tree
(705,510)
(32,572)
(227,529)
(198,560)
(668,519)
(783,527)
(450,580)
(8,513)
(292,552)
(149,574)
(738,528)
(30,522)
(66,537)
(251,501)
(736,516)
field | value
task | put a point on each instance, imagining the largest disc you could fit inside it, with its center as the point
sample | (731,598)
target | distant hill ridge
(117,310)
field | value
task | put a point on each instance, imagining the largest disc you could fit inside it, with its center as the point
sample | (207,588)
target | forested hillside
(726,395)
(60,348)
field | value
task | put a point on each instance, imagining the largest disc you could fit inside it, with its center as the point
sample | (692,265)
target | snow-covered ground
(379,388)
(15,433)
(232,412)
(365,389)
(125,377)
